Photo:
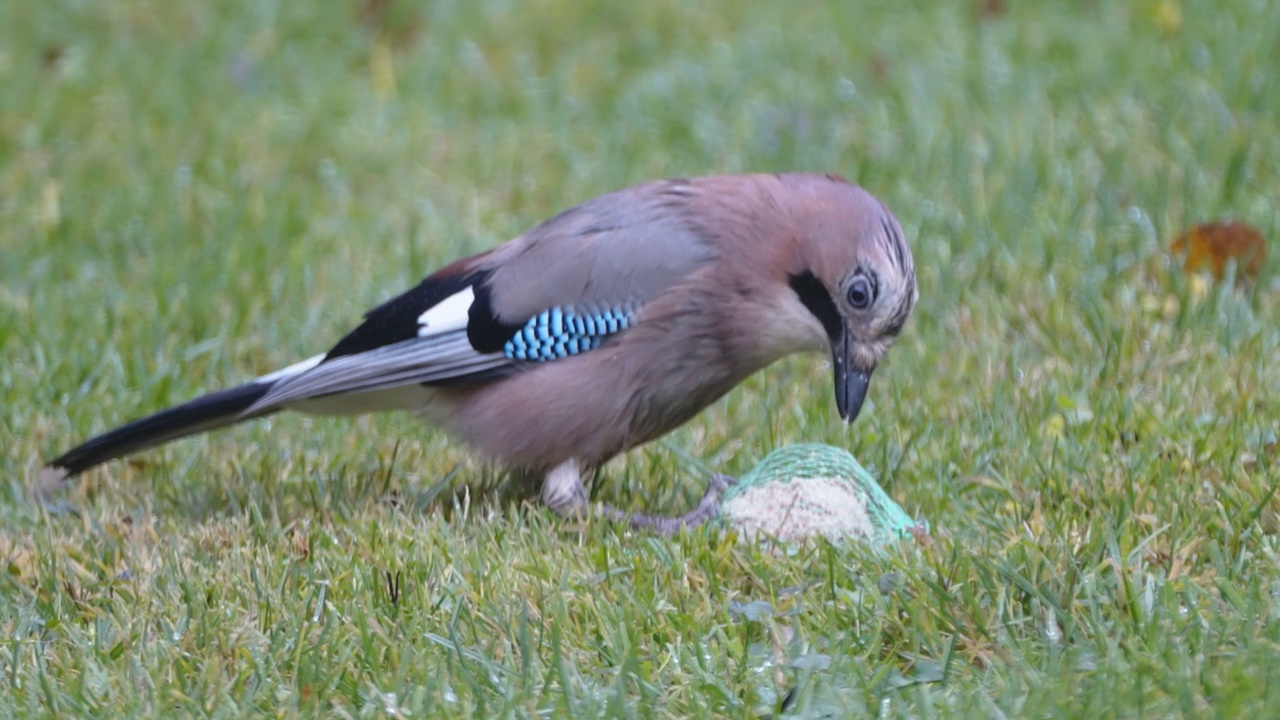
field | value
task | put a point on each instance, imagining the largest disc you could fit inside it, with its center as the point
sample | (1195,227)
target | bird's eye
(861,292)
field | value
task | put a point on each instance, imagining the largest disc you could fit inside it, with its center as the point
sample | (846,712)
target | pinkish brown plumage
(601,329)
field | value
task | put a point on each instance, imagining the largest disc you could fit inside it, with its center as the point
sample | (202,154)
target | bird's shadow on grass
(191,490)
(330,493)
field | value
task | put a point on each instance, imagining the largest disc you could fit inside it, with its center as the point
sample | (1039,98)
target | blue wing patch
(561,332)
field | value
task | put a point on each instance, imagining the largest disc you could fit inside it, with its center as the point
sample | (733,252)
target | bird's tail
(209,412)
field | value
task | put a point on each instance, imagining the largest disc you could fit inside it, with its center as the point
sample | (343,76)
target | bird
(599,330)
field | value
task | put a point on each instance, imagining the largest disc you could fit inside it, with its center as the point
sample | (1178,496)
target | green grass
(192,193)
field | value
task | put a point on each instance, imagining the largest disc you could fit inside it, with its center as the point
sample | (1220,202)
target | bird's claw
(708,507)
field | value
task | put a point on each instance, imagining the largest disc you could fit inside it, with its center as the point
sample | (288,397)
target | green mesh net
(804,490)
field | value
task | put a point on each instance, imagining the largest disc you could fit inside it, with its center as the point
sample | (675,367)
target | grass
(192,193)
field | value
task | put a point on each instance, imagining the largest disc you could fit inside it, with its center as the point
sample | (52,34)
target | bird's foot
(706,509)
(563,492)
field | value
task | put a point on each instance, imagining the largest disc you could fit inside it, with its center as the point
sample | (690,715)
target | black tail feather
(203,414)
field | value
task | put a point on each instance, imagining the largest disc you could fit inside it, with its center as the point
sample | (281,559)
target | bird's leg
(563,492)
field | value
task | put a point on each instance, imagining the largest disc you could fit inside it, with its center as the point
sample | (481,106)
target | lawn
(194,193)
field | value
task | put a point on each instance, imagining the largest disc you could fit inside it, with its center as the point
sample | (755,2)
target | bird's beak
(851,379)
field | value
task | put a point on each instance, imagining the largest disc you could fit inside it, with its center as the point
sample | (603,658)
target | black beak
(851,381)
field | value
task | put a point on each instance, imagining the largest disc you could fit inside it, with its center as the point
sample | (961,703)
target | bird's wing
(565,287)
(626,246)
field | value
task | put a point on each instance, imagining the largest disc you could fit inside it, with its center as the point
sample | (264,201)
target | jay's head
(855,277)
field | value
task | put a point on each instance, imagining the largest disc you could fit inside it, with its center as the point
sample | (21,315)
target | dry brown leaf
(1211,245)
(989,9)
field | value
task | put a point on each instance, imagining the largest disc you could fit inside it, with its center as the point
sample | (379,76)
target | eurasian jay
(601,329)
